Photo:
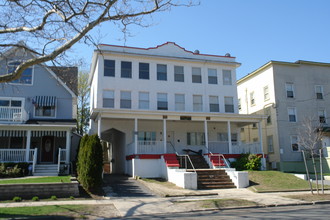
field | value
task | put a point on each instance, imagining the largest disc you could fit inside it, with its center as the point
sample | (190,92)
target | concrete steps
(213,179)
(45,170)
(197,160)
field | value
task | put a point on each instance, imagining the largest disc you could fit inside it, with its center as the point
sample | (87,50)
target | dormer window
(45,106)
(26,77)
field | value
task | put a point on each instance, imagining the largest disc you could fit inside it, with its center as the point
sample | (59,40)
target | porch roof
(177,116)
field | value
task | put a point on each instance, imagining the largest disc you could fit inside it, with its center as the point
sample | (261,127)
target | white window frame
(212,76)
(322,113)
(144,99)
(124,99)
(266,93)
(162,97)
(195,74)
(295,113)
(252,99)
(214,103)
(319,92)
(294,140)
(270,145)
(14,99)
(239,104)
(161,73)
(289,87)
(32,73)
(178,73)
(227,77)
(55,112)
(179,104)
(195,138)
(226,98)
(103,97)
(197,107)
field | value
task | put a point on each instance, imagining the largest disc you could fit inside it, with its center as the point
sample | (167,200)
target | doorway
(47,149)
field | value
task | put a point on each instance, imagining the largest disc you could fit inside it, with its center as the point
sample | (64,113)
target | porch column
(99,127)
(206,136)
(164,135)
(135,136)
(229,138)
(263,159)
(28,145)
(68,146)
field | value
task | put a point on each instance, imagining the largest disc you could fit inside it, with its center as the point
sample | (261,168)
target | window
(147,136)
(292,114)
(196,75)
(44,106)
(319,92)
(162,101)
(229,104)
(143,100)
(226,75)
(252,99)
(197,103)
(195,138)
(178,74)
(255,140)
(109,68)
(26,77)
(214,103)
(125,99)
(223,137)
(126,69)
(289,90)
(213,78)
(108,99)
(179,102)
(11,109)
(143,70)
(161,72)
(266,93)
(270,144)
(294,143)
(45,111)
(268,114)
(322,117)
(239,104)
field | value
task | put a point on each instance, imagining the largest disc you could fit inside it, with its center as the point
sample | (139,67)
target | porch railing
(61,158)
(222,147)
(34,159)
(149,147)
(16,155)
(11,114)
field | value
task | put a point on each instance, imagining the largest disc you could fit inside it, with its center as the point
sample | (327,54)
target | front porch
(42,145)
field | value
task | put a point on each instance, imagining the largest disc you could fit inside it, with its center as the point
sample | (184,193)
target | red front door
(47,150)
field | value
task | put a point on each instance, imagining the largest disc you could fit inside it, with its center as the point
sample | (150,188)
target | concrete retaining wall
(42,190)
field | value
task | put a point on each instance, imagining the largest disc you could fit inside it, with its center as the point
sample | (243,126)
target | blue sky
(254,31)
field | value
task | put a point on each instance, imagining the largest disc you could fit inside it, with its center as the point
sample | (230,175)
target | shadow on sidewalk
(116,185)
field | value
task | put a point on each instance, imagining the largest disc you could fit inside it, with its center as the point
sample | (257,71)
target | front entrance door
(47,149)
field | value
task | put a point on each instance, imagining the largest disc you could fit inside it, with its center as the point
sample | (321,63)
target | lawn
(64,210)
(275,181)
(309,197)
(49,179)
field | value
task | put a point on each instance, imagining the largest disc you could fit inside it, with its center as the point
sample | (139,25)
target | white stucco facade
(162,100)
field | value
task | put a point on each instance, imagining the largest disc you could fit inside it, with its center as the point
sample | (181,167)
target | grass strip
(50,179)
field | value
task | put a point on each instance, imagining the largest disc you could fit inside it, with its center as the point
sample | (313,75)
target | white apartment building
(149,102)
(287,93)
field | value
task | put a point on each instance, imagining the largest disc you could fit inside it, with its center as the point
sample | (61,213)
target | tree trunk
(314,166)
(308,178)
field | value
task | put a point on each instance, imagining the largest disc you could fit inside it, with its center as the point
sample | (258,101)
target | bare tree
(83,103)
(52,27)
(309,139)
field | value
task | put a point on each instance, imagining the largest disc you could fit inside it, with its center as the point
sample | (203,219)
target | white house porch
(35,144)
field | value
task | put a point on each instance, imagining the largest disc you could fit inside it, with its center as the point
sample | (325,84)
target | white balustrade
(11,114)
(12,155)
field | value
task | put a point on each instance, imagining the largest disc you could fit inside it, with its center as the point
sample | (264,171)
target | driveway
(116,185)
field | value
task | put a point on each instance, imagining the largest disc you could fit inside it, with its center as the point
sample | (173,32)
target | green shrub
(13,170)
(247,162)
(71,197)
(53,198)
(35,198)
(90,162)
(17,199)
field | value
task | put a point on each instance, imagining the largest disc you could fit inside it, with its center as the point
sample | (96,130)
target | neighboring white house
(147,102)
(287,93)
(37,114)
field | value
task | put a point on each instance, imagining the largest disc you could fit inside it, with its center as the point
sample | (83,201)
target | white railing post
(135,136)
(68,147)
(34,159)
(164,135)
(206,136)
(59,160)
(28,145)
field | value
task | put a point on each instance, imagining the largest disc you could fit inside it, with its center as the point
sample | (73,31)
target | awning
(49,133)
(45,101)
(12,133)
